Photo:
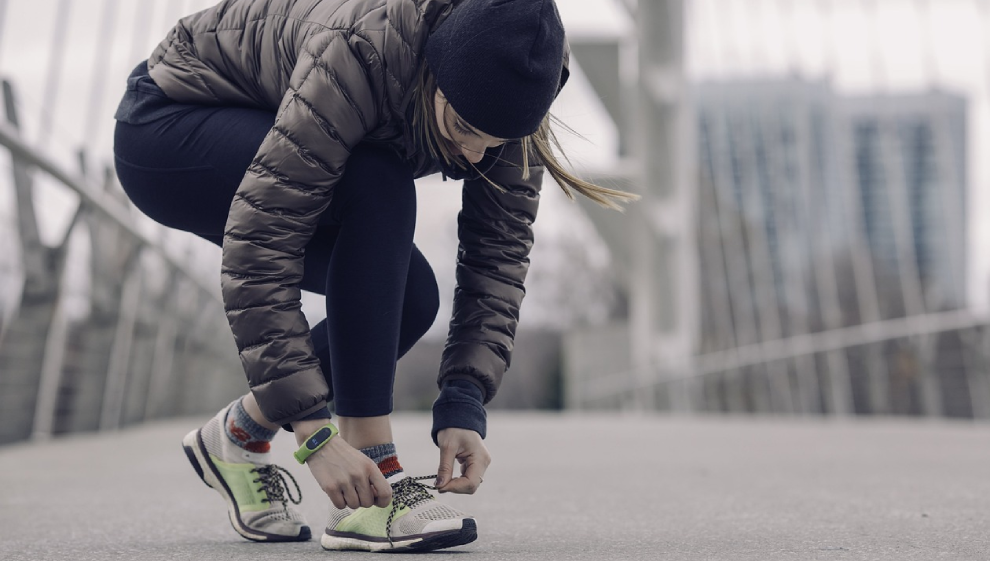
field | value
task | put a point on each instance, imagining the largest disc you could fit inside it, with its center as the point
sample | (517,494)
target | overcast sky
(896,46)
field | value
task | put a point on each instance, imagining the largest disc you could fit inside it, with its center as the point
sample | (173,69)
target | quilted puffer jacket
(338,72)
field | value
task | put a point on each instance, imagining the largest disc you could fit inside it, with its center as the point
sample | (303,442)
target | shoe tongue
(395,478)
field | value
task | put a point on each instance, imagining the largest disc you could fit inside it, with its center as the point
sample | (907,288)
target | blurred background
(809,240)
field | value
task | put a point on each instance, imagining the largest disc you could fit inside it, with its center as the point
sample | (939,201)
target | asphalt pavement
(561,487)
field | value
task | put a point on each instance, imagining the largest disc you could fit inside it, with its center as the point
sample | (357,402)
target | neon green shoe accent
(370,521)
(244,484)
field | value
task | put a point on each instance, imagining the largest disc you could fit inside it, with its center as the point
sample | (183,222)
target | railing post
(165,342)
(22,350)
(111,249)
(55,345)
(153,324)
(117,372)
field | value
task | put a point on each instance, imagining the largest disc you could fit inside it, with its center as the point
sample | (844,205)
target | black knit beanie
(499,62)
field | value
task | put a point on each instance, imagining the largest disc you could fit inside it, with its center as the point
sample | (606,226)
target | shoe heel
(187,448)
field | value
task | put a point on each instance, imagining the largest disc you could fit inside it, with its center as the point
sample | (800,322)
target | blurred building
(921,167)
(818,211)
(769,207)
(830,236)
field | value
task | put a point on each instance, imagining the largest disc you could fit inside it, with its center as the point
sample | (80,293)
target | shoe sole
(343,541)
(207,471)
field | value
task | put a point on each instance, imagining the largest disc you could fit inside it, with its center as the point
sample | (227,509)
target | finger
(365,492)
(474,471)
(351,496)
(337,498)
(461,486)
(446,470)
(469,481)
(381,488)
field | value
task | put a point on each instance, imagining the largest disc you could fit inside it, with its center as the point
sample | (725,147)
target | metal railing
(933,365)
(154,342)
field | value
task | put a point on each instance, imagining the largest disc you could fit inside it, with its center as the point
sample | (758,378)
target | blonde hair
(542,144)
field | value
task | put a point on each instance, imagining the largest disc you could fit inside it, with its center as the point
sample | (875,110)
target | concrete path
(583,487)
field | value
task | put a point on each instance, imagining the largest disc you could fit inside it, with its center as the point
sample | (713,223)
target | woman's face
(463,139)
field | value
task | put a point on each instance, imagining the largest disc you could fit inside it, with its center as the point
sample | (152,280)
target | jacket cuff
(459,405)
(297,416)
(290,398)
(475,362)
(321,413)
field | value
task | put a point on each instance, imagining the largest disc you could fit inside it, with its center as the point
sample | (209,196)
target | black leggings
(381,294)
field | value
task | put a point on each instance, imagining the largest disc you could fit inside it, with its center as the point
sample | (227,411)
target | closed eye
(463,130)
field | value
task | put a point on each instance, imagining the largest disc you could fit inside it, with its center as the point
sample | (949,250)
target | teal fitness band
(315,442)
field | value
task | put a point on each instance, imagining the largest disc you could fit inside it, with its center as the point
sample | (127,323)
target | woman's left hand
(469,450)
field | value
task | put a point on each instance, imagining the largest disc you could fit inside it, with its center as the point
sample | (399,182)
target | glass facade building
(819,211)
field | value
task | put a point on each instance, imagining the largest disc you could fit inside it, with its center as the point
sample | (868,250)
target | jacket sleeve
(329,107)
(495,233)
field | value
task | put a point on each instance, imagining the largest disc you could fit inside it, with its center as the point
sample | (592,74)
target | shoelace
(275,485)
(408,492)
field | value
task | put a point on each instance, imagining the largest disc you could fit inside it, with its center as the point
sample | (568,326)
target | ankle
(364,432)
(242,430)
(252,408)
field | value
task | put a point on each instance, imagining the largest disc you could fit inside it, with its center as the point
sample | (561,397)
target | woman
(289,132)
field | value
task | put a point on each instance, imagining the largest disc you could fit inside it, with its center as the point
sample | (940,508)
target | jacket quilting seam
(244,24)
(269,211)
(245,276)
(385,67)
(325,125)
(194,72)
(301,188)
(305,153)
(399,33)
(338,33)
(332,75)
(199,76)
(316,59)
(398,82)
(309,12)
(268,341)
(277,378)
(484,295)
(500,350)
(492,224)
(511,282)
(256,243)
(255,307)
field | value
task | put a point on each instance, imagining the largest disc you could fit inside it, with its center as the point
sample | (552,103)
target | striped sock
(243,431)
(384,455)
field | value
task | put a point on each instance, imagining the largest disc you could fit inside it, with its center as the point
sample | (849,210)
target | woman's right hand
(346,475)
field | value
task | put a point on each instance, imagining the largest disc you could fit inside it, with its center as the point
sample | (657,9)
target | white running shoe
(415,521)
(255,490)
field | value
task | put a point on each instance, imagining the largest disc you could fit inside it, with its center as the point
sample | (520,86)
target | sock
(384,455)
(243,431)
